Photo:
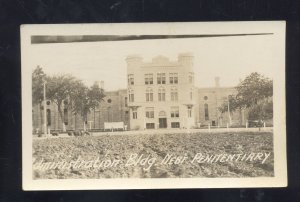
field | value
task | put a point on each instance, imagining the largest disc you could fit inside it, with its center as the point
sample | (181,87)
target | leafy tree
(38,78)
(96,95)
(86,99)
(59,89)
(233,104)
(253,93)
(253,89)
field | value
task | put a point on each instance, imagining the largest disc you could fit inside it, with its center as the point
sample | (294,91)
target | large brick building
(160,94)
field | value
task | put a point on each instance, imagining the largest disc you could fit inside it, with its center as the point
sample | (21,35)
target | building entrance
(162,122)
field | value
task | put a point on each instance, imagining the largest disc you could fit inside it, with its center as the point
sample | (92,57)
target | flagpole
(45,116)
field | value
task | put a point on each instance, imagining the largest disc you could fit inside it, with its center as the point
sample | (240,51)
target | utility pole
(45,115)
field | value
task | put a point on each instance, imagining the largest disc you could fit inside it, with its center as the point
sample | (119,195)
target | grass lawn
(72,157)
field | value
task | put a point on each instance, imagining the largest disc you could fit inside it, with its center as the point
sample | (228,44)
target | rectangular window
(130,79)
(174,112)
(126,102)
(148,79)
(191,77)
(150,112)
(131,97)
(161,78)
(161,96)
(149,96)
(134,114)
(173,78)
(150,125)
(175,125)
(174,96)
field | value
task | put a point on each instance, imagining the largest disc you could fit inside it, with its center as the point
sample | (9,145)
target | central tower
(161,92)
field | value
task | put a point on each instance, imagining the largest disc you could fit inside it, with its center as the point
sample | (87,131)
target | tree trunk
(41,115)
(94,119)
(61,117)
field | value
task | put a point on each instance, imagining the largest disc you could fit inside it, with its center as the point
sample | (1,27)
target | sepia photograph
(153,105)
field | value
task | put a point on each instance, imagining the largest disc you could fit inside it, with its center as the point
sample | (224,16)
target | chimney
(217,82)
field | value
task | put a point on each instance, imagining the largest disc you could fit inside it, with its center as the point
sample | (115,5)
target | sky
(230,58)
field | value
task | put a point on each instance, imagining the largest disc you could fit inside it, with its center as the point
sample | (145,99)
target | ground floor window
(174,112)
(150,125)
(48,117)
(175,124)
(134,114)
(206,115)
(66,116)
(189,112)
(150,112)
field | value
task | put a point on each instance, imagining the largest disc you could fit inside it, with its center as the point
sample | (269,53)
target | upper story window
(130,79)
(148,79)
(191,94)
(173,78)
(174,94)
(205,98)
(150,112)
(126,102)
(161,94)
(174,112)
(131,95)
(161,78)
(149,95)
(191,77)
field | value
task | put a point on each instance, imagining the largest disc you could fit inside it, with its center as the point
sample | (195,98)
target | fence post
(247,124)
(209,127)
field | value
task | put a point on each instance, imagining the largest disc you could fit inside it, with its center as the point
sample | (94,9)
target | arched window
(161,94)
(206,115)
(131,95)
(174,94)
(66,116)
(109,114)
(189,111)
(48,117)
(149,95)
(162,114)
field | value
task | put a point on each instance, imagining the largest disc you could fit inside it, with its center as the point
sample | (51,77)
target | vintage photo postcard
(153,105)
